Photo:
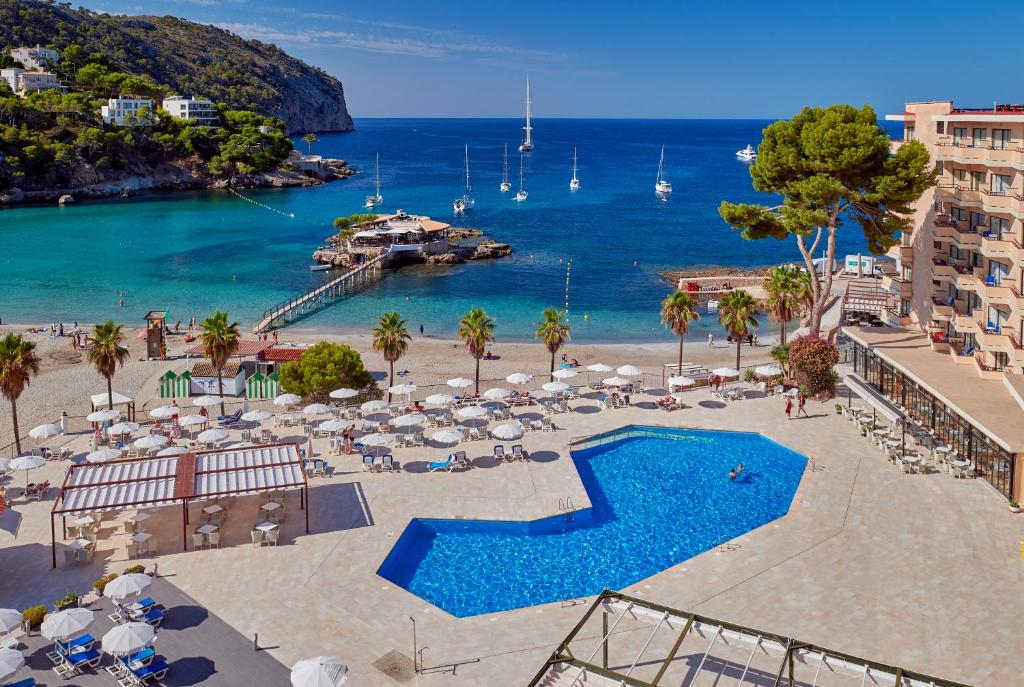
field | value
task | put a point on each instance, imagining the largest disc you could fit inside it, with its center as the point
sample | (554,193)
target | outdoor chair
(547,425)
(475,434)
(518,453)
(368,462)
(198,541)
(418,439)
(271,537)
(257,537)
(154,671)
(499,453)
(214,540)
(461,460)
(536,425)
(388,463)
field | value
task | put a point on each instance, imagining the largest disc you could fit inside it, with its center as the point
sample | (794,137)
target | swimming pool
(657,499)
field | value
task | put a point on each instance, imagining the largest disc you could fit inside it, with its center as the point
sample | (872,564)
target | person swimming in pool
(732,475)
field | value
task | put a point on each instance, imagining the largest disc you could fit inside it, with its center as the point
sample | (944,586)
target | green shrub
(812,360)
(34,616)
(134,569)
(749,376)
(71,599)
(99,584)
(325,366)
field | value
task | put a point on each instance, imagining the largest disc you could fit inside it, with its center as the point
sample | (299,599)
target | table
(944,450)
(893,442)
(213,509)
(266,526)
(881,432)
(864,419)
(140,537)
(270,506)
(207,528)
(911,458)
(960,463)
(84,521)
(80,544)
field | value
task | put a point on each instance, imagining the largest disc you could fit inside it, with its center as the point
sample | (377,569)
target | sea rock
(11,195)
(445,259)
(456,233)
(336,258)
(66,199)
(490,250)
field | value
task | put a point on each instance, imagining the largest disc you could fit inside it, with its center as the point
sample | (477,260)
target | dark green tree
(323,367)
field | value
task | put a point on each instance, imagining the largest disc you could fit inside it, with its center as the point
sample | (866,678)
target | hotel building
(198,110)
(124,111)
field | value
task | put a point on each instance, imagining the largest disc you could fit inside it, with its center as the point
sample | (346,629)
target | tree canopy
(324,367)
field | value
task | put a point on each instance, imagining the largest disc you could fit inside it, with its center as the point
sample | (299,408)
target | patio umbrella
(285,400)
(460,383)
(64,624)
(193,420)
(447,436)
(496,394)
(257,415)
(163,412)
(103,455)
(519,378)
(213,435)
(377,440)
(171,451)
(125,640)
(26,463)
(403,389)
(409,420)
(206,401)
(10,619)
(507,431)
(439,399)
(680,380)
(122,428)
(615,381)
(554,387)
(47,431)
(342,394)
(599,367)
(564,373)
(151,441)
(725,372)
(321,671)
(103,415)
(129,584)
(628,371)
(471,412)
(768,370)
(373,406)
(11,661)
(316,409)
(334,425)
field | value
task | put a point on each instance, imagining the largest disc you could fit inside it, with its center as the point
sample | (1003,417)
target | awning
(120,398)
(882,405)
(365,235)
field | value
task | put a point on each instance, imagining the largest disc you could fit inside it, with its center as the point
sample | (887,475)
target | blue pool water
(657,500)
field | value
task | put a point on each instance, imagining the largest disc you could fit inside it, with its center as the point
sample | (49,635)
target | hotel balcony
(970,280)
(997,294)
(946,151)
(905,254)
(947,229)
(965,324)
(945,272)
(1003,247)
(1010,201)
(998,339)
(897,285)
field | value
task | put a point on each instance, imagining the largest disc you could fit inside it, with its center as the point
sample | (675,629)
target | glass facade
(990,460)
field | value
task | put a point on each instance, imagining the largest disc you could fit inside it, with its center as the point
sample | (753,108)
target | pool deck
(922,571)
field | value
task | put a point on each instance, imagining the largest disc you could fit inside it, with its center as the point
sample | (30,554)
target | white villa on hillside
(35,58)
(123,111)
(22,81)
(198,110)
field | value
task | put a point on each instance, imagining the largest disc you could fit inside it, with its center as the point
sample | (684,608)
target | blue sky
(645,58)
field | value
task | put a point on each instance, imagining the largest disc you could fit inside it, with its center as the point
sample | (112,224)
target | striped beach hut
(175,386)
(260,386)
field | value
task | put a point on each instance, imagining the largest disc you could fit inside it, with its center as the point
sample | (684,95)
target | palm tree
(310,139)
(784,296)
(736,312)
(220,341)
(804,292)
(553,330)
(391,338)
(476,330)
(677,311)
(107,353)
(18,363)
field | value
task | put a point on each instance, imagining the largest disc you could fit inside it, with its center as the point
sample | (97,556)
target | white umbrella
(334,425)
(212,435)
(321,671)
(103,455)
(554,387)
(257,416)
(507,431)
(171,451)
(519,378)
(44,431)
(768,370)
(599,367)
(240,444)
(409,420)
(342,394)
(124,640)
(460,383)
(129,584)
(103,415)
(564,373)
(471,412)
(193,420)
(151,441)
(726,372)
(403,389)
(447,436)
(285,400)
(615,381)
(206,401)
(164,412)
(377,440)
(11,661)
(496,394)
(628,371)
(315,409)
(26,463)
(439,399)
(122,428)
(63,624)
(10,619)
(680,381)
(373,406)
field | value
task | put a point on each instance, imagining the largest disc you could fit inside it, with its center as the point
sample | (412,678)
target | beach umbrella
(26,463)
(768,370)
(124,640)
(64,624)
(409,420)
(460,383)
(5,464)
(193,420)
(103,415)
(103,455)
(725,372)
(151,441)
(122,428)
(334,425)
(316,409)
(564,373)
(285,400)
(403,389)
(377,440)
(129,584)
(373,406)
(615,381)
(11,661)
(519,378)
(507,431)
(257,416)
(342,394)
(164,412)
(10,619)
(321,671)
(213,435)
(239,444)
(680,381)
(47,431)
(171,451)
(496,394)
(447,436)
(599,367)
(471,412)
(206,401)
(554,387)
(439,399)
(628,371)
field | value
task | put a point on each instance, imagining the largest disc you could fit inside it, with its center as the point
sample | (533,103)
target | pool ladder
(566,506)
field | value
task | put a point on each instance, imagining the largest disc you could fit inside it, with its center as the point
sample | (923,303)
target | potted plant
(839,409)
(1014,506)
(69,601)
(34,616)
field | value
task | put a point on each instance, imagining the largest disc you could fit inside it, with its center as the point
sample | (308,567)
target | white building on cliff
(125,111)
(198,110)
(36,58)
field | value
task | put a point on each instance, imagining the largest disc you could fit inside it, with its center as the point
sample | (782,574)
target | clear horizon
(462,59)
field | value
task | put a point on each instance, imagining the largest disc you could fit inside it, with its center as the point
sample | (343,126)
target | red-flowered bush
(811,361)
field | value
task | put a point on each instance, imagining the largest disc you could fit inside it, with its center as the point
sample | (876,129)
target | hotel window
(909,133)
(959,134)
(954,252)
(977,180)
(958,214)
(1000,139)
(940,127)
(980,137)
(977,260)
(904,307)
(998,225)
(998,271)
(960,176)
(1000,184)
(977,221)
(908,275)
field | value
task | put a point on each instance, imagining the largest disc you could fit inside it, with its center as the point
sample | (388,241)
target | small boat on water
(466,201)
(506,186)
(748,154)
(575,183)
(527,144)
(320,268)
(662,187)
(376,199)
(521,195)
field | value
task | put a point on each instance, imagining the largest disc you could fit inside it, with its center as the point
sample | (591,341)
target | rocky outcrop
(490,250)
(445,259)
(459,233)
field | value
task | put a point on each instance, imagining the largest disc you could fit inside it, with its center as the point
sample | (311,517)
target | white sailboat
(466,201)
(377,198)
(521,195)
(506,186)
(575,183)
(527,144)
(661,186)
(748,154)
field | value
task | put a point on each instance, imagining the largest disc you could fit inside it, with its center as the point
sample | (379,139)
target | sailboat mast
(505,179)
(521,171)
(528,127)
(469,189)
(378,174)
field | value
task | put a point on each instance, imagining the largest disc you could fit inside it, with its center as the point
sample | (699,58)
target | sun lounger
(475,434)
(499,453)
(536,425)
(460,460)
(230,420)
(548,425)
(388,463)
(143,657)
(518,453)
(27,682)
(84,642)
(154,671)
(368,462)
(153,617)
(142,604)
(445,464)
(78,659)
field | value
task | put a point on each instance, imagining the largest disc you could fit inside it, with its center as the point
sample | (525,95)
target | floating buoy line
(262,205)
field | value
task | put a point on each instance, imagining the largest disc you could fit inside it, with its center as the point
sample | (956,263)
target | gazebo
(172,480)
(116,398)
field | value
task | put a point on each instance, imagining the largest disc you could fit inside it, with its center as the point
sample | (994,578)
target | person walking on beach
(711,340)
(800,407)
(789,407)
(421,329)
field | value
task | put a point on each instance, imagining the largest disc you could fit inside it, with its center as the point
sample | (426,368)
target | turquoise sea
(195,252)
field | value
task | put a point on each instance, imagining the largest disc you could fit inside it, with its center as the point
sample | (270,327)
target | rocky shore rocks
(490,250)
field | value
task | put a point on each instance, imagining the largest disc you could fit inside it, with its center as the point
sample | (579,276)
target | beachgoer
(800,407)
(177,327)
(575,363)
(565,358)
(739,469)
(711,340)
(74,343)
(421,330)
(275,335)
(732,475)
(789,407)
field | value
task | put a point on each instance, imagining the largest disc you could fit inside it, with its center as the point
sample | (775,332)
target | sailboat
(506,186)
(575,183)
(527,144)
(661,186)
(466,201)
(377,198)
(521,195)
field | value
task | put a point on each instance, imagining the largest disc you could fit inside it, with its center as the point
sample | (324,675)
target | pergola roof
(120,398)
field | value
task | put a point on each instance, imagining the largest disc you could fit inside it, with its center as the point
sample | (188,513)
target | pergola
(694,646)
(165,481)
(116,398)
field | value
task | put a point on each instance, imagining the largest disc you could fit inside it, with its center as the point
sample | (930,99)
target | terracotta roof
(246,348)
(281,354)
(206,369)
